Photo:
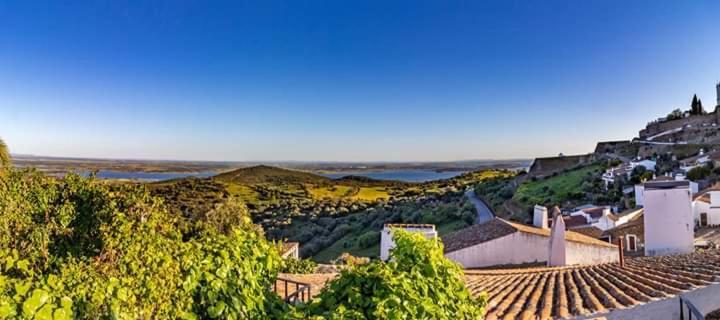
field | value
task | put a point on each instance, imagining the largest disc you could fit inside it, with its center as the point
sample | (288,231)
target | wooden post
(621,251)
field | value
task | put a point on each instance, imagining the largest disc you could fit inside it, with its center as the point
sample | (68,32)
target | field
(555,189)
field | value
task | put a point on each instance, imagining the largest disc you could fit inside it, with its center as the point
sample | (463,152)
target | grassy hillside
(556,189)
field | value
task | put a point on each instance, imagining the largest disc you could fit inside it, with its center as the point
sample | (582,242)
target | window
(631,242)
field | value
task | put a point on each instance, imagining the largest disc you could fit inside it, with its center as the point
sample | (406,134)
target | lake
(400,175)
(148,176)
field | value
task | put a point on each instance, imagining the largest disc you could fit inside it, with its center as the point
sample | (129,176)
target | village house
(501,242)
(386,240)
(706,207)
(668,218)
(701,159)
(632,233)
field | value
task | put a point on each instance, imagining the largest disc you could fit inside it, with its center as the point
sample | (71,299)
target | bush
(369,239)
(303,266)
(418,283)
(74,248)
(698,173)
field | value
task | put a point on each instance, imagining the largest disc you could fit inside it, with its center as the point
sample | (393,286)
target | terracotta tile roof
(590,231)
(316,281)
(572,222)
(545,293)
(596,212)
(638,220)
(475,234)
(497,228)
(628,212)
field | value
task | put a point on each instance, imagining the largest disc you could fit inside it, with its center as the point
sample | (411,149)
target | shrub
(368,239)
(418,283)
(74,248)
(293,265)
(698,173)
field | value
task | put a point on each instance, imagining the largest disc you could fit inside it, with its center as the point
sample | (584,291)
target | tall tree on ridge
(5,160)
(700,107)
(694,105)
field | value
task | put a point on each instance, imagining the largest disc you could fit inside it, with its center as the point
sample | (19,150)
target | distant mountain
(263,174)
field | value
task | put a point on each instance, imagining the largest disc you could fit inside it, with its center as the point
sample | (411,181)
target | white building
(640,189)
(386,240)
(500,242)
(706,208)
(648,164)
(600,217)
(668,222)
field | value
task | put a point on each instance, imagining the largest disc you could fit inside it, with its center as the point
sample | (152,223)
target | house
(386,240)
(648,164)
(668,217)
(290,250)
(501,242)
(706,207)
(616,174)
(600,217)
(632,233)
(701,159)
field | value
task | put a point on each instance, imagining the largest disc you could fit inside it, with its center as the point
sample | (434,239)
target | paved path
(484,213)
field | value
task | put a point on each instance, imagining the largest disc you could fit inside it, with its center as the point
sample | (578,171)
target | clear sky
(346,80)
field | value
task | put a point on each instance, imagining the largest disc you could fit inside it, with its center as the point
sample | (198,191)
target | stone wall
(658,127)
(549,165)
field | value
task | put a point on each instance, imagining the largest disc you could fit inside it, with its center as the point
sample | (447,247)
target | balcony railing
(284,288)
(692,311)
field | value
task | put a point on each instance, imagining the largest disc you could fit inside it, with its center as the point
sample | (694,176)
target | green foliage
(303,266)
(418,283)
(698,173)
(74,248)
(369,239)
(5,160)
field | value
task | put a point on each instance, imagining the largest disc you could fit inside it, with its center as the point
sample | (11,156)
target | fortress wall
(549,165)
(655,128)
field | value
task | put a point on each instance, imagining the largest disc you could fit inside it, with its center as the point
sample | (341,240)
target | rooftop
(564,292)
(497,228)
(660,185)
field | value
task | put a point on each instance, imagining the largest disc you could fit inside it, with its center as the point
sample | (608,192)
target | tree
(694,105)
(417,283)
(700,109)
(698,173)
(5,160)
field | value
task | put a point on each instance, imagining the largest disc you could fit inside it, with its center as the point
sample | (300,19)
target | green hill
(270,175)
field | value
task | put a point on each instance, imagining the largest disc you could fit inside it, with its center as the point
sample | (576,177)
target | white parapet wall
(386,240)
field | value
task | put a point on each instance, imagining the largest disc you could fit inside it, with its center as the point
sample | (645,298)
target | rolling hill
(263,174)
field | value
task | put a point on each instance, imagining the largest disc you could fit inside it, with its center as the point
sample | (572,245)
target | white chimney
(540,217)
(556,252)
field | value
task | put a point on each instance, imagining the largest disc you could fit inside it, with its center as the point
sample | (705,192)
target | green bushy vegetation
(417,283)
(75,249)
(303,266)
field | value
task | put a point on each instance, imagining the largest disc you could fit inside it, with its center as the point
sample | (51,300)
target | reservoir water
(400,175)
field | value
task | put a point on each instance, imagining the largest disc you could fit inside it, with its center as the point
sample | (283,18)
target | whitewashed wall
(387,243)
(669,225)
(519,248)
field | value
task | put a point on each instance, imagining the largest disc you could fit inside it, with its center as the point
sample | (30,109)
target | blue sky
(346,80)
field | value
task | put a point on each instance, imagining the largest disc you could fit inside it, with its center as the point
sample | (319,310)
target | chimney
(540,217)
(556,252)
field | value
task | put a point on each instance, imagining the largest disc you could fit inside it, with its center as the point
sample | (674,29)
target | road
(484,213)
